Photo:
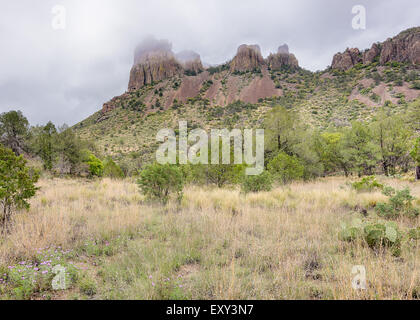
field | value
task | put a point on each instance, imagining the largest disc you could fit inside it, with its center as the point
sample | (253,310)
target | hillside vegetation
(325,100)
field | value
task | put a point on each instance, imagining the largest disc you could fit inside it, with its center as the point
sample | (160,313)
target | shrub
(367,184)
(17,184)
(416,85)
(158,181)
(414,234)
(286,168)
(111,169)
(400,203)
(262,182)
(87,286)
(96,167)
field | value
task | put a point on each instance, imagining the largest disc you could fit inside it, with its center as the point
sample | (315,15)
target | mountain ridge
(241,91)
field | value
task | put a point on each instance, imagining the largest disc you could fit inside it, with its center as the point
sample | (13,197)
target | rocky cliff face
(248,58)
(154,61)
(405,47)
(283,49)
(282,58)
(190,61)
(370,55)
(182,76)
(347,59)
(155,66)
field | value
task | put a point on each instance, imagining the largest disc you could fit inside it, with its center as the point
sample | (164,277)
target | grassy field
(216,244)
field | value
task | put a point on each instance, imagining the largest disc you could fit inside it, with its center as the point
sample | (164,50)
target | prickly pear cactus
(352,232)
(376,235)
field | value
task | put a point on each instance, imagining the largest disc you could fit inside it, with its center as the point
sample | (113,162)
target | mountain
(405,47)
(166,87)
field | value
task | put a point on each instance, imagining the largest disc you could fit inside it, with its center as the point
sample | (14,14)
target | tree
(70,150)
(17,184)
(415,154)
(393,137)
(304,150)
(158,181)
(413,114)
(280,125)
(360,148)
(44,144)
(14,130)
(329,146)
(285,168)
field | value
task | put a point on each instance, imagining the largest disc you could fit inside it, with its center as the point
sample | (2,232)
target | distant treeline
(386,144)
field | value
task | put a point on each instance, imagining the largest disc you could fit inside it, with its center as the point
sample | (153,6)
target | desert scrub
(87,285)
(400,203)
(262,182)
(414,234)
(367,184)
(158,182)
(376,234)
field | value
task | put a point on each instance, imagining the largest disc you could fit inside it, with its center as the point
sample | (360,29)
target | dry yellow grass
(281,244)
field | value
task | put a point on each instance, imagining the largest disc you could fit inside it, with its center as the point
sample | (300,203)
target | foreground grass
(216,244)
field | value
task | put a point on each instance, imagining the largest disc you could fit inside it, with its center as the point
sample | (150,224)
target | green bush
(17,184)
(158,182)
(262,182)
(367,184)
(416,85)
(111,169)
(400,203)
(96,167)
(285,168)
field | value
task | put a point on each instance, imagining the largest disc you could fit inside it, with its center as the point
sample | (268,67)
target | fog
(65,75)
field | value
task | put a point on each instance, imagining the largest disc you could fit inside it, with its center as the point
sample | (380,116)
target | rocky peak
(248,58)
(370,55)
(190,60)
(282,58)
(283,49)
(405,47)
(150,47)
(153,61)
(347,59)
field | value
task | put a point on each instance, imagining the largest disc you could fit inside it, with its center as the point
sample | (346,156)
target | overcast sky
(66,75)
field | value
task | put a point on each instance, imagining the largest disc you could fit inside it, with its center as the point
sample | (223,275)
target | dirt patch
(410,94)
(188,270)
(260,87)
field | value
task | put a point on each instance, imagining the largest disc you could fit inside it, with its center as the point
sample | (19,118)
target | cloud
(66,75)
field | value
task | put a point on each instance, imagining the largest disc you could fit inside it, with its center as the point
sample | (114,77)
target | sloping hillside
(240,92)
